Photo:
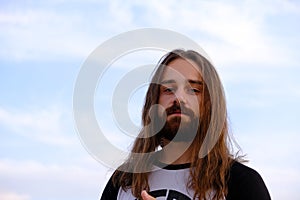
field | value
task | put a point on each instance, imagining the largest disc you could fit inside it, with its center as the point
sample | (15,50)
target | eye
(194,90)
(169,90)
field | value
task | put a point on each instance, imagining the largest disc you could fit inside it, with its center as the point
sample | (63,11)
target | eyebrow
(167,81)
(195,82)
(190,81)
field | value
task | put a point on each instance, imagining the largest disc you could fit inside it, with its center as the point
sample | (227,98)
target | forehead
(181,69)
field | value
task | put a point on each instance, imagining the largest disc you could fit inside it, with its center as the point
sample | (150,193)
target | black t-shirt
(170,183)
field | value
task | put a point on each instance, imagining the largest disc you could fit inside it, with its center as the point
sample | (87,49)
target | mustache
(179,108)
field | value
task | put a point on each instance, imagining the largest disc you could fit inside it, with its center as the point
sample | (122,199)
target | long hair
(211,156)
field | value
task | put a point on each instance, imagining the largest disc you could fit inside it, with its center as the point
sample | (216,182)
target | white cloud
(44,125)
(39,34)
(13,196)
(240,34)
(39,171)
(51,181)
(230,32)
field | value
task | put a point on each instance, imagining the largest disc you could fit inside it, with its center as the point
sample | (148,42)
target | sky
(254,46)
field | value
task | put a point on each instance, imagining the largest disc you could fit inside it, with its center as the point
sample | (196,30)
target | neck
(176,153)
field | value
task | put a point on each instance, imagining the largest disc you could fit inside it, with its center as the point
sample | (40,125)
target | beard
(177,128)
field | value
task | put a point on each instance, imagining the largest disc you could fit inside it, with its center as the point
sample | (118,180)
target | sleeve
(247,184)
(110,191)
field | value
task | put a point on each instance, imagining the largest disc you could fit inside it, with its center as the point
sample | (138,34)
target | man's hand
(146,196)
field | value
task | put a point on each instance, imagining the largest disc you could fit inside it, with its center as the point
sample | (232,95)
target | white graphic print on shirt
(165,185)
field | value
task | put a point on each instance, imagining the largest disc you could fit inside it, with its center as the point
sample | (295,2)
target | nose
(180,97)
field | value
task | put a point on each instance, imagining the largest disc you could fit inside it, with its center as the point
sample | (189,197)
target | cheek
(195,105)
(164,101)
(160,111)
(163,104)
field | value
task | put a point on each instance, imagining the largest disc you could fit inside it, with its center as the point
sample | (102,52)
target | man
(183,150)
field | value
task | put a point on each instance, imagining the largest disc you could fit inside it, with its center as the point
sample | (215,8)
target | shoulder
(110,191)
(246,183)
(240,171)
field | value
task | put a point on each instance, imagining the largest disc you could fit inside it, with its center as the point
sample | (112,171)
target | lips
(176,112)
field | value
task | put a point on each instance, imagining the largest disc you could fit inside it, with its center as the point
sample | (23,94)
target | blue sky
(253,44)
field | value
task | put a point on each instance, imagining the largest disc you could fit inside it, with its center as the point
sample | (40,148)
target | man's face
(180,95)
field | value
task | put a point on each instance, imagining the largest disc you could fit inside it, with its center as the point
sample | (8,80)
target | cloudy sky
(253,44)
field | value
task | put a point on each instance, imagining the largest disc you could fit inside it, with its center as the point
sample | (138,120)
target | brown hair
(211,156)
